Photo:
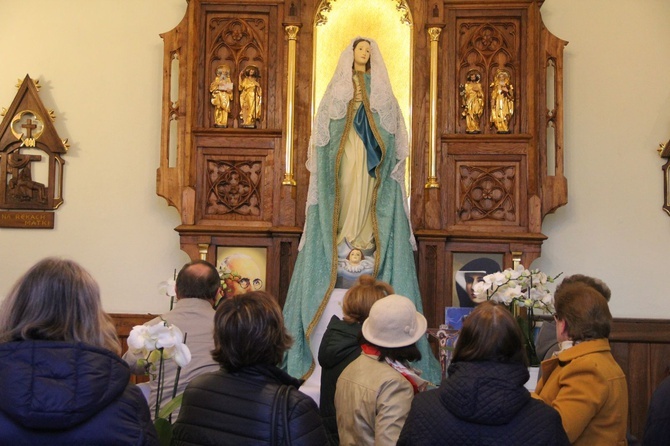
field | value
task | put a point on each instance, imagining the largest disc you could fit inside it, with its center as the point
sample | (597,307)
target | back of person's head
(57,300)
(249,330)
(593,282)
(584,310)
(198,279)
(359,298)
(490,333)
(394,326)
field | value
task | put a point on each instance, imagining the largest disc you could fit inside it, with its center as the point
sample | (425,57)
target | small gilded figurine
(250,96)
(502,101)
(222,95)
(473,101)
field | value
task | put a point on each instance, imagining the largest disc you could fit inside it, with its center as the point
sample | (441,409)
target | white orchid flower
(139,340)
(498,278)
(511,293)
(148,341)
(169,287)
(481,289)
(182,355)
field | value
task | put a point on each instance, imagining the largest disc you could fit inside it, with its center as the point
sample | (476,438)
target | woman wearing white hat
(374,393)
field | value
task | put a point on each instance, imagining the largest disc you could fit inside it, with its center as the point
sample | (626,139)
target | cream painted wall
(617,110)
(100,62)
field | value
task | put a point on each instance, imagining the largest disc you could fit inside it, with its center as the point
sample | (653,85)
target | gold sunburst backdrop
(388,22)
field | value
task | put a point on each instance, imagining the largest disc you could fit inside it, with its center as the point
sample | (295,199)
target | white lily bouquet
(520,288)
(156,343)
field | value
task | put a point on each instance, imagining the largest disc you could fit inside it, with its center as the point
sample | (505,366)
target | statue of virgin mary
(356,200)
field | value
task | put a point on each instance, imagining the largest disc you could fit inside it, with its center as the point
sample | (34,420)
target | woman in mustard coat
(582,381)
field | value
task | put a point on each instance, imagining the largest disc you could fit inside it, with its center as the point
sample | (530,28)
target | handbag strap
(280,405)
(273,418)
(287,431)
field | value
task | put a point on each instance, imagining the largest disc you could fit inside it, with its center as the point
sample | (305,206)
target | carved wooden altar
(475,187)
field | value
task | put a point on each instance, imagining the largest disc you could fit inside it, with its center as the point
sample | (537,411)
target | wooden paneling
(642,349)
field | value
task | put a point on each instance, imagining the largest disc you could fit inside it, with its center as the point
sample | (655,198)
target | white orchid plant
(169,288)
(156,343)
(520,287)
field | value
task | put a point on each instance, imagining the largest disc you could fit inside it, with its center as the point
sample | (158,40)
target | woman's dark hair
(584,310)
(249,330)
(490,333)
(353,48)
(401,354)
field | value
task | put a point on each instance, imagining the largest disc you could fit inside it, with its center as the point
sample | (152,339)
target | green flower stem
(159,390)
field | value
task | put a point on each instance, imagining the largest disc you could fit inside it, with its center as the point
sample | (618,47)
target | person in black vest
(483,400)
(249,401)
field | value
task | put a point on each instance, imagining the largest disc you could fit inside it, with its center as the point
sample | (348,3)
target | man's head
(198,280)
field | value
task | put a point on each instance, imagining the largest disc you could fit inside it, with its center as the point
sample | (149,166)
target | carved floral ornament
(326,6)
(487,192)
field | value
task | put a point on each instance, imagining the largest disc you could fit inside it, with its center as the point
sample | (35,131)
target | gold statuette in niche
(472,96)
(502,101)
(251,96)
(222,95)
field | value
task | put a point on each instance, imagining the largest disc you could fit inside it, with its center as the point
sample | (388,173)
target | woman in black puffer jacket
(250,401)
(483,401)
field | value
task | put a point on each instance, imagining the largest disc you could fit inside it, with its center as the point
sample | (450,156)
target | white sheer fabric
(333,106)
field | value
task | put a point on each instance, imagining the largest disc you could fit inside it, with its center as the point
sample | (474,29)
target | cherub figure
(222,95)
(356,261)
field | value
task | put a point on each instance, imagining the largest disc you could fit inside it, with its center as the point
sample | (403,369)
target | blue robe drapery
(315,270)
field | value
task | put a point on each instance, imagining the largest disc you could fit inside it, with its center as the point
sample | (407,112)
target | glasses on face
(245,283)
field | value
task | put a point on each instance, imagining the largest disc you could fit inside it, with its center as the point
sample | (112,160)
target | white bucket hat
(394,322)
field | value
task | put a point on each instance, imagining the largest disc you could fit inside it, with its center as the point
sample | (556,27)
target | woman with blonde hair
(63,379)
(340,344)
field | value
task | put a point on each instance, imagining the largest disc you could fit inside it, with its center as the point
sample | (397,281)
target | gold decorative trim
(292,34)
(321,17)
(434,35)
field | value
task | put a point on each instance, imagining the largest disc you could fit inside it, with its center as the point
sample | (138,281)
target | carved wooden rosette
(488,192)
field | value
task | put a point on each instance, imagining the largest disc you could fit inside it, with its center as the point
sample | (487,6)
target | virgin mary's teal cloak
(314,274)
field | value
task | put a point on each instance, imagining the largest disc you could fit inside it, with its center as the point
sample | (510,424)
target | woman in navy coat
(483,401)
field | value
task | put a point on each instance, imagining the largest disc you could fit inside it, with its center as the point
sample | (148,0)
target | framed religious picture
(471,268)
(242,269)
